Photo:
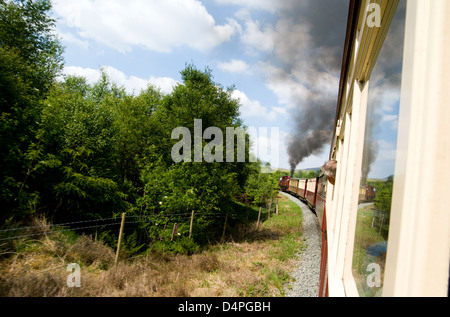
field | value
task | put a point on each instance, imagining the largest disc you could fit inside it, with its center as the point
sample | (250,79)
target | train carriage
(395,51)
(409,255)
(311,188)
(301,192)
(321,195)
(293,186)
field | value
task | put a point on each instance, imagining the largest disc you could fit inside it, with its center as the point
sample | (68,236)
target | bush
(182,245)
(87,251)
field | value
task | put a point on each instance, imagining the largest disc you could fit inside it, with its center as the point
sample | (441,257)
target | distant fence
(119,223)
(20,232)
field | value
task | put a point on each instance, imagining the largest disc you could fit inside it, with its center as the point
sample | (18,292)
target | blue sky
(281,56)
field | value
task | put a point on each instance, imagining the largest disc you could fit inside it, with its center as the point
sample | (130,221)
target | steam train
(306,189)
(313,192)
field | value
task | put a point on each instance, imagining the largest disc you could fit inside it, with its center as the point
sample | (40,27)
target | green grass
(365,236)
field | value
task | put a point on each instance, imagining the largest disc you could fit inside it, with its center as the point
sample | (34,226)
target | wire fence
(9,234)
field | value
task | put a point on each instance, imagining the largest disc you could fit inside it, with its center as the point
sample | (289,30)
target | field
(252,261)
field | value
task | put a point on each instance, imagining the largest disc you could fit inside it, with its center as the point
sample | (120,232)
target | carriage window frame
(349,281)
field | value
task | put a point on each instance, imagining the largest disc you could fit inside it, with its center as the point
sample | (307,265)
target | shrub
(182,245)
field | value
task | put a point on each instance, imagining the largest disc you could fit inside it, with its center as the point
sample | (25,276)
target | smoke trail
(304,50)
(300,148)
(305,70)
(309,39)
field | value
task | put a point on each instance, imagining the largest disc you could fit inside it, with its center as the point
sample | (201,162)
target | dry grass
(250,267)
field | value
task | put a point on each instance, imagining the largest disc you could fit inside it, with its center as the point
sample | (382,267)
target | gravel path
(307,273)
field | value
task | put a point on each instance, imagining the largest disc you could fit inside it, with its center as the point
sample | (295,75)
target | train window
(380,142)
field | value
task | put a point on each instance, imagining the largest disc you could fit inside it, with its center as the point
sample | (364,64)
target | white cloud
(132,84)
(165,83)
(317,160)
(69,38)
(284,38)
(234,66)
(267,147)
(253,108)
(280,110)
(91,75)
(387,151)
(155,25)
(255,37)
(384,164)
(391,119)
(266,5)
(288,90)
(268,144)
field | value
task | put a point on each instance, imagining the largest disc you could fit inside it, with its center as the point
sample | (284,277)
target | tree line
(75,150)
(307,173)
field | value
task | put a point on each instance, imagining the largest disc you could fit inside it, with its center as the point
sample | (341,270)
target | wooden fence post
(270,207)
(259,217)
(192,222)
(174,231)
(277,207)
(122,224)
(224,226)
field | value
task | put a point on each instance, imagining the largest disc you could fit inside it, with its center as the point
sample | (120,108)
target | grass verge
(253,261)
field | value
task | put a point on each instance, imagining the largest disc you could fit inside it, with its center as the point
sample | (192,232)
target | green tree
(261,187)
(27,35)
(77,168)
(307,174)
(205,187)
(30,60)
(383,197)
(138,133)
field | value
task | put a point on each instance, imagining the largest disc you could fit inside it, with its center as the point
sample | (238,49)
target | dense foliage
(73,150)
(383,197)
(30,60)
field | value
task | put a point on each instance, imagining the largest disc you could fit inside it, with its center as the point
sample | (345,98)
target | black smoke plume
(309,41)
(305,49)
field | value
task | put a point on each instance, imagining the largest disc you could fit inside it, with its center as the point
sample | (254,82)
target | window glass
(380,143)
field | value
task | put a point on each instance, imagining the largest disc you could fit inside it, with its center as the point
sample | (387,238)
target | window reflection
(380,142)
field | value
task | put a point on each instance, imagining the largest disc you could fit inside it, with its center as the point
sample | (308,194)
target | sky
(283,57)
(384,102)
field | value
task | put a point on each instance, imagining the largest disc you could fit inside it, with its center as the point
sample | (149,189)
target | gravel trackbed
(307,272)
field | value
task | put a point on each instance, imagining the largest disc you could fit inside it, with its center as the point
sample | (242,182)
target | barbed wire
(56,231)
(142,219)
(99,223)
(58,225)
